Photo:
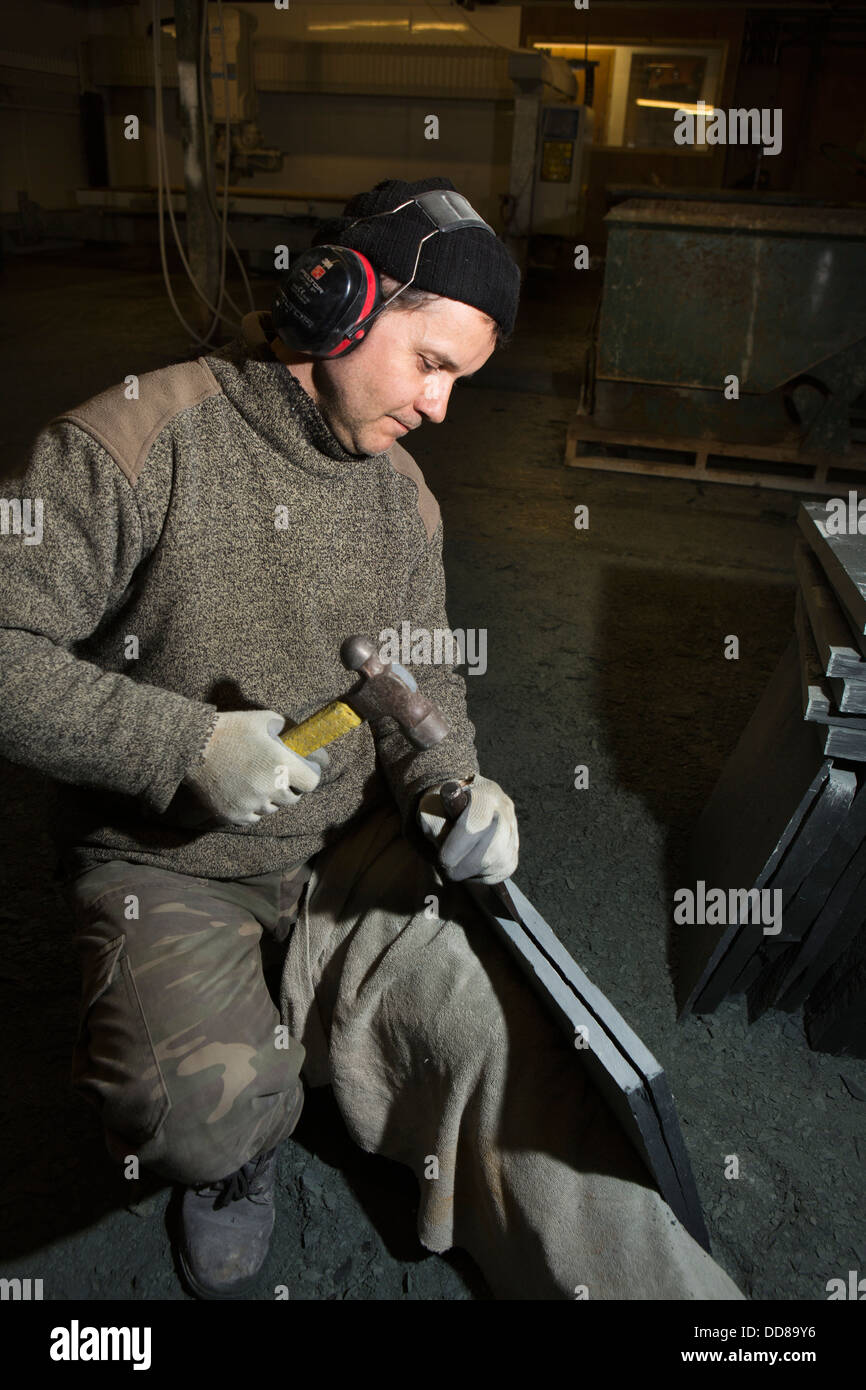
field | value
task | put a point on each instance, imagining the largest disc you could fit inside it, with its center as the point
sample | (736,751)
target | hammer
(381,691)
(384,692)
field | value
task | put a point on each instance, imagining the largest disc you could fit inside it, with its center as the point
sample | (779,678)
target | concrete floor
(604,648)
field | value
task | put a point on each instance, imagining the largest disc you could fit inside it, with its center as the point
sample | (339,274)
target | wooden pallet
(779,466)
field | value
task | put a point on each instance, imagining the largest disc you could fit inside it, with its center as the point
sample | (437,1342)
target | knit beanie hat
(468,264)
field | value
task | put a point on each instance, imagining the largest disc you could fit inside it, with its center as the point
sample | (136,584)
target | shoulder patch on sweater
(403,462)
(125,428)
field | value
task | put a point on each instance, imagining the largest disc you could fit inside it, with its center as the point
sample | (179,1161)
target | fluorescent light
(677,105)
(363,24)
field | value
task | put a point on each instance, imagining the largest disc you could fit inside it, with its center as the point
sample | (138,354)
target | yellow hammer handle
(321,728)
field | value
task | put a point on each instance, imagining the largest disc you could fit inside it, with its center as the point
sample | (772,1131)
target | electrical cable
(205,147)
(205,143)
(157,84)
(465,39)
(224,238)
(209,172)
(162,170)
(494,43)
(515,199)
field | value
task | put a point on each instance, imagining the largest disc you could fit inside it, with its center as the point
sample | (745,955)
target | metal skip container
(697,293)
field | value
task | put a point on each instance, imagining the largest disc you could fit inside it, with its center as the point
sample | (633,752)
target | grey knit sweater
(206,547)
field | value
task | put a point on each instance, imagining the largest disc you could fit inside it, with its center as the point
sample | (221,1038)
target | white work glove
(248,772)
(482,843)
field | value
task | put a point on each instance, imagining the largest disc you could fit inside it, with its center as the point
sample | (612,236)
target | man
(209,540)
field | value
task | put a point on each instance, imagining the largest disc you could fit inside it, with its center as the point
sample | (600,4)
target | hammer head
(382,692)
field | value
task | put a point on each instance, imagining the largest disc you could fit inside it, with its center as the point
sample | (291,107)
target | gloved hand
(482,843)
(247,772)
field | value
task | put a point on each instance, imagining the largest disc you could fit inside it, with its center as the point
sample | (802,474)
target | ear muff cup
(331,294)
(326,294)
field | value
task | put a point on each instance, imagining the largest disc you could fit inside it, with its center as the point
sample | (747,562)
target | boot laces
(244,1183)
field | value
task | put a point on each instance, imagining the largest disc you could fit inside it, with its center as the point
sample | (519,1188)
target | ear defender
(327,293)
(331,294)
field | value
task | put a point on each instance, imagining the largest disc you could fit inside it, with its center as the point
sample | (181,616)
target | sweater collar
(275,404)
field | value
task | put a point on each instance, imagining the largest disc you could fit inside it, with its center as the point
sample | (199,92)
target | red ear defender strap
(369,299)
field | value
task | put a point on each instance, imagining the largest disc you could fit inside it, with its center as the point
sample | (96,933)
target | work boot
(226,1229)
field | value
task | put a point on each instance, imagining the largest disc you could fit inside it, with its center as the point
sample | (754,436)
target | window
(636,88)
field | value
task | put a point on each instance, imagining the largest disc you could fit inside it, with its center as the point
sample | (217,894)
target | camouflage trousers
(397,994)
(180,1045)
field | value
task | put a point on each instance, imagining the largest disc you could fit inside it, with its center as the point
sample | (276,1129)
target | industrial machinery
(230,42)
(549,153)
(559,186)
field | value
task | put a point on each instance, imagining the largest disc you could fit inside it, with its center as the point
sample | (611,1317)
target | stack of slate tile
(788,815)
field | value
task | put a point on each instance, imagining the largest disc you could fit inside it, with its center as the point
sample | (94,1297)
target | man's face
(403,372)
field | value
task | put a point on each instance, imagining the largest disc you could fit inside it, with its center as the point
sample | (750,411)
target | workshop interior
(661,537)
